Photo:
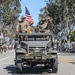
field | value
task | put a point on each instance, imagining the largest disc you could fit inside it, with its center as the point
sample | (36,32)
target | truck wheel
(55,66)
(46,66)
(19,67)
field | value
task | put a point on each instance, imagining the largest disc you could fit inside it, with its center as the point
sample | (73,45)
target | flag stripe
(28,16)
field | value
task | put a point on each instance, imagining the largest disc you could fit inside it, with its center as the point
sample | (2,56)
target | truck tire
(55,66)
(46,66)
(19,67)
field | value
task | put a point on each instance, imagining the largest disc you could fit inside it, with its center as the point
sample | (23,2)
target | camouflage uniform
(22,26)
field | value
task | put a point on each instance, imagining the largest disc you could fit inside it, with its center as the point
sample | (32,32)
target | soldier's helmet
(22,17)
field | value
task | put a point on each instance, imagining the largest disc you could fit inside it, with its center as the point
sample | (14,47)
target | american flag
(28,16)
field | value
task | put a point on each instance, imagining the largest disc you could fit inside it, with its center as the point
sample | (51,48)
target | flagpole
(25,10)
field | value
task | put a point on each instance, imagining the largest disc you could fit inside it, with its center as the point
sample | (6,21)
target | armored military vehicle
(35,48)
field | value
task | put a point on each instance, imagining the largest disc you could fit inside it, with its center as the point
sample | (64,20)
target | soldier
(22,25)
(43,25)
(43,20)
(30,27)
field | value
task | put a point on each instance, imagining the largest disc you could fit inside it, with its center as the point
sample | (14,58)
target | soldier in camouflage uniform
(43,25)
(22,25)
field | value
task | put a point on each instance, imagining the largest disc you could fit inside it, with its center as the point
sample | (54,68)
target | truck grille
(36,47)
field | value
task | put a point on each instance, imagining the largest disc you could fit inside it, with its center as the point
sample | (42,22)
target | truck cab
(35,48)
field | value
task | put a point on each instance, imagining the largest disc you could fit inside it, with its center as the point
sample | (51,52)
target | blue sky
(34,7)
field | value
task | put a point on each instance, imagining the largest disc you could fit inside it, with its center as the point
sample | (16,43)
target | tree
(51,11)
(9,13)
(62,13)
(68,14)
(72,38)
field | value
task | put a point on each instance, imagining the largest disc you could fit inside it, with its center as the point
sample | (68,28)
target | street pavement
(66,65)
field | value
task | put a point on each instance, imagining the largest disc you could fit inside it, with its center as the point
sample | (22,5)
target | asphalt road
(66,65)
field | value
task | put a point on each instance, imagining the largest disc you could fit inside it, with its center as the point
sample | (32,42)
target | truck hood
(36,43)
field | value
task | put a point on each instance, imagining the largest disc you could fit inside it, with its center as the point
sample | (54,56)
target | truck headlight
(53,56)
(18,46)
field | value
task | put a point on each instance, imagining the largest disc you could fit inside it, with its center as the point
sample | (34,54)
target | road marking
(73,60)
(65,60)
(6,63)
(4,58)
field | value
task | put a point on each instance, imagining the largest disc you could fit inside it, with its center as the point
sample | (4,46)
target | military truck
(35,48)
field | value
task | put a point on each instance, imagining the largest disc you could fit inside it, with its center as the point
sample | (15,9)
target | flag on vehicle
(28,16)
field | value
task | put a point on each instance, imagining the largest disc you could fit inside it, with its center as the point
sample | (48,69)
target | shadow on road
(72,62)
(11,69)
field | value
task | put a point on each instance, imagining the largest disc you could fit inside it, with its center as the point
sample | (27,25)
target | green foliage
(51,10)
(9,12)
(61,11)
(72,36)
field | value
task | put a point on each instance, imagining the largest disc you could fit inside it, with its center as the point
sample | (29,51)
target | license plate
(37,50)
(38,57)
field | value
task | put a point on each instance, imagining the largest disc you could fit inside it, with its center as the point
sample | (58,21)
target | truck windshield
(36,38)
